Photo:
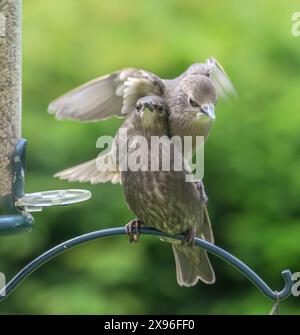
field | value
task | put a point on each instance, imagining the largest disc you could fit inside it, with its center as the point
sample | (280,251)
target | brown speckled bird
(164,199)
(191,98)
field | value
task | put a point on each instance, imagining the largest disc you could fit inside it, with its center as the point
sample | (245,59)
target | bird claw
(202,193)
(189,237)
(133,230)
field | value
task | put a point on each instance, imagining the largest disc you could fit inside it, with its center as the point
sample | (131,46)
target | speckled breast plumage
(163,200)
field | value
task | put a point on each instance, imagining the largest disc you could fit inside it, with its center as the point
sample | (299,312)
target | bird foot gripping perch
(133,230)
(14,216)
(189,238)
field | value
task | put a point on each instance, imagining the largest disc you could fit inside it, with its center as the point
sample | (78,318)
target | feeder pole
(12,147)
(10,90)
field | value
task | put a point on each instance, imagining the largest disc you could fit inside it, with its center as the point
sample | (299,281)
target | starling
(163,199)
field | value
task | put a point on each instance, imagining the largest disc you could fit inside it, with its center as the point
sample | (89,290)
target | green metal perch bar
(217,251)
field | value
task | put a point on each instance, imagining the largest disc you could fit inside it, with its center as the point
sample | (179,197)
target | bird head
(151,113)
(198,97)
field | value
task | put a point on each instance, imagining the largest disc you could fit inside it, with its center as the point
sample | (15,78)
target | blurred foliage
(252,156)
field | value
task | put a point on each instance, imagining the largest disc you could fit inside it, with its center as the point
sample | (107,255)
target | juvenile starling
(191,98)
(163,199)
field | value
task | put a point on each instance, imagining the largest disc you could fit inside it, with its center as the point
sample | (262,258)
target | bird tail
(192,264)
(94,171)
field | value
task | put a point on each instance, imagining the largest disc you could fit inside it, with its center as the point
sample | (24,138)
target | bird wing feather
(220,78)
(89,172)
(111,95)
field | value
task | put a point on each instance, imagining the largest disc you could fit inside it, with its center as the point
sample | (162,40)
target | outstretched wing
(218,75)
(107,96)
(213,70)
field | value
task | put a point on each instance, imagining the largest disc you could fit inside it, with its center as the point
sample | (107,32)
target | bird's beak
(147,109)
(148,106)
(147,114)
(208,110)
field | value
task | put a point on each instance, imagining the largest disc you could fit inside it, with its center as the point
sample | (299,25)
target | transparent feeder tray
(35,202)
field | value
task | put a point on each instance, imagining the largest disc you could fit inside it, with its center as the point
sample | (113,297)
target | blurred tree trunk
(10,89)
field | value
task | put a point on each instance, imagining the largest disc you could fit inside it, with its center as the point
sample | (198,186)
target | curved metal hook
(217,251)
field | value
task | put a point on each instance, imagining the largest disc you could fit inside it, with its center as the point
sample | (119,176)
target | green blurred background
(252,156)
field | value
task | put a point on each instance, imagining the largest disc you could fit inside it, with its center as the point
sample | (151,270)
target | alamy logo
(157,153)
(296,286)
(2,284)
(296,24)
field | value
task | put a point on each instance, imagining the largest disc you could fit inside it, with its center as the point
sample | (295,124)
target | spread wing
(112,95)
(218,75)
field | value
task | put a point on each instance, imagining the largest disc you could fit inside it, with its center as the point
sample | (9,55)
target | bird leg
(202,193)
(133,230)
(189,237)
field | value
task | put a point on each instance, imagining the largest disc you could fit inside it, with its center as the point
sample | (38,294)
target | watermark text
(296,24)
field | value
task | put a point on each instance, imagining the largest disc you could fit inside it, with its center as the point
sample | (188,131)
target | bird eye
(193,103)
(138,108)
(160,108)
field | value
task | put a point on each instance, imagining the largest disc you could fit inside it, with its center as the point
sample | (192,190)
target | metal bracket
(14,220)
